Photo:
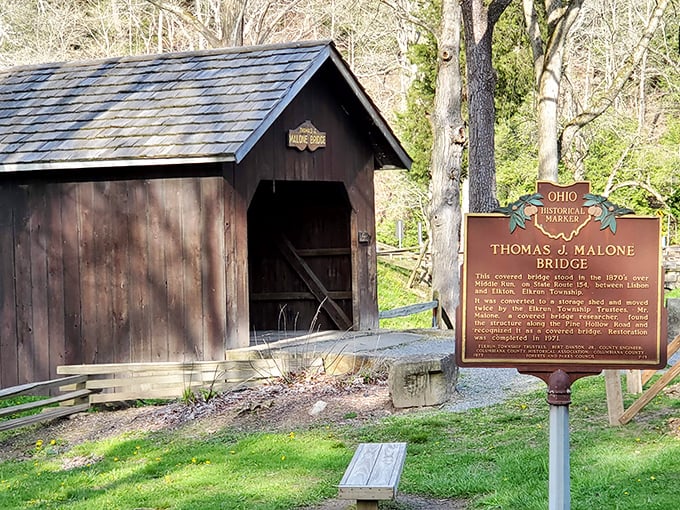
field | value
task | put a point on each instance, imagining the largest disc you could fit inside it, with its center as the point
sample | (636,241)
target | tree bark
(478,23)
(448,143)
(548,57)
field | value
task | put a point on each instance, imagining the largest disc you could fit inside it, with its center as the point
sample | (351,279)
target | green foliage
(512,61)
(516,156)
(615,144)
(386,230)
(414,123)
(399,197)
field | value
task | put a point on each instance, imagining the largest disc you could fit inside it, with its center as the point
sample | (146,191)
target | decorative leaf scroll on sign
(598,206)
(306,136)
(605,211)
(522,210)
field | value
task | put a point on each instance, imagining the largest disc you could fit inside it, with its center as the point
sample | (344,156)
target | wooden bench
(373,474)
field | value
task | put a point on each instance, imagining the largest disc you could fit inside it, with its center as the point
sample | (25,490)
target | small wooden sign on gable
(306,136)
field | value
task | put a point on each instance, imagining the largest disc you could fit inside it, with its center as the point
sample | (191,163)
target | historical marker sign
(562,279)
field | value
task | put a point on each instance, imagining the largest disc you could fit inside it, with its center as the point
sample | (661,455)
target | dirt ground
(281,406)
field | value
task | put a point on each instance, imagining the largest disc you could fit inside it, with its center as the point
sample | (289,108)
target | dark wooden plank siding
(157,275)
(38,225)
(348,158)
(67,194)
(103,257)
(86,347)
(191,237)
(110,271)
(22,267)
(138,255)
(8,322)
(236,256)
(213,267)
(120,328)
(55,280)
(174,269)
(364,257)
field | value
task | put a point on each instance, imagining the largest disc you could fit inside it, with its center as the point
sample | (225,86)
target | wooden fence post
(612,383)
(634,381)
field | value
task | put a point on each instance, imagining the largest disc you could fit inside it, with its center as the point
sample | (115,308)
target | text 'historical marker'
(562,279)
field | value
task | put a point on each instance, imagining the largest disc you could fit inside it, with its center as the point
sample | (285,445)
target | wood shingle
(177,107)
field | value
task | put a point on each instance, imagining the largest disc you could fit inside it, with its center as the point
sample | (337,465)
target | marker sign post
(560,285)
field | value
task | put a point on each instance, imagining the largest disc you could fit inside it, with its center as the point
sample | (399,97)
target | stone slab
(422,380)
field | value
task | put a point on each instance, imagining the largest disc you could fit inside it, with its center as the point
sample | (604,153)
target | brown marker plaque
(562,280)
(306,136)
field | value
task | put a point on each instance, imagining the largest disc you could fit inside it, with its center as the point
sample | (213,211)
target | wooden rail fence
(116,382)
(77,397)
(85,385)
(617,414)
(404,311)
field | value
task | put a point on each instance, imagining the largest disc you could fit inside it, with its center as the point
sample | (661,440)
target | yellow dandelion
(115,459)
(53,442)
(283,457)
(207,462)
(193,460)
(652,477)
(291,435)
(233,452)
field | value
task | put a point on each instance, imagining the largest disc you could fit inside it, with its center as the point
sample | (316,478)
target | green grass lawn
(495,457)
(392,293)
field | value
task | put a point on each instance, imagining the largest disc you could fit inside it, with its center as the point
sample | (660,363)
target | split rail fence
(73,401)
(636,379)
(84,385)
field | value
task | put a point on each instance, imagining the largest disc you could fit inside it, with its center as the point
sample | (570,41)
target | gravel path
(481,387)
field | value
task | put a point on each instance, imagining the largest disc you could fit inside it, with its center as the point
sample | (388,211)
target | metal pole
(559,482)
(559,398)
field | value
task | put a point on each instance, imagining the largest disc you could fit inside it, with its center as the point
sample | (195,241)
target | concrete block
(422,380)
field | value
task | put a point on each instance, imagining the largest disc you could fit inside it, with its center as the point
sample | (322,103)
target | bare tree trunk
(478,22)
(449,140)
(548,56)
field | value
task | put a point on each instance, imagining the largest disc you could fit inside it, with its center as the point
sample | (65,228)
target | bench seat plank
(374,472)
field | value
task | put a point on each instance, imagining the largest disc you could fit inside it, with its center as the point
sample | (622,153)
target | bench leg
(364,504)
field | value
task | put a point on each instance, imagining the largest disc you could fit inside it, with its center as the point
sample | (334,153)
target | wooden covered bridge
(164,207)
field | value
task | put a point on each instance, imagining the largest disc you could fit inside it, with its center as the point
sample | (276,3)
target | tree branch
(408,17)
(496,8)
(637,184)
(190,19)
(605,100)
(535,40)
